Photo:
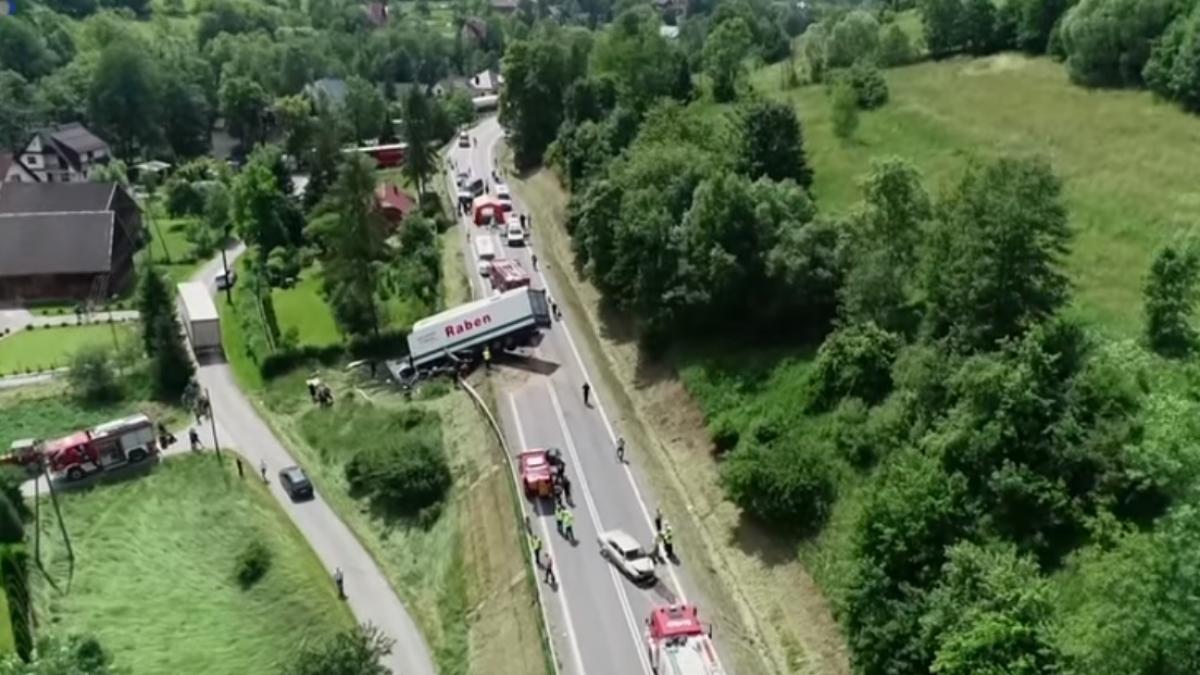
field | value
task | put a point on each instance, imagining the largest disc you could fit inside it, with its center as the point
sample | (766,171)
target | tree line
(155,89)
(1104,43)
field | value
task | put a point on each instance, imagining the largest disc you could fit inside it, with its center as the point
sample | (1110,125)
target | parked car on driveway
(296,483)
(622,550)
(224,281)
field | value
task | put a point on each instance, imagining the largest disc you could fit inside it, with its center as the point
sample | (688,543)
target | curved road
(369,594)
(597,615)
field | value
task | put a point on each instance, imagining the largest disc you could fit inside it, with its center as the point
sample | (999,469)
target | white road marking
(591,506)
(562,596)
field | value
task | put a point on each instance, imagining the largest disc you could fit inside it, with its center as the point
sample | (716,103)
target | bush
(92,377)
(403,476)
(14,574)
(787,487)
(867,82)
(252,563)
(844,102)
(851,437)
(895,49)
(184,198)
(853,361)
(12,530)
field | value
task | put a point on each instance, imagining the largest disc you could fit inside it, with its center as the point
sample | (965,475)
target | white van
(485,253)
(514,235)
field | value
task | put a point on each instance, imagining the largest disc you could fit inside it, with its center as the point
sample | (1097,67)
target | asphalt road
(597,615)
(369,595)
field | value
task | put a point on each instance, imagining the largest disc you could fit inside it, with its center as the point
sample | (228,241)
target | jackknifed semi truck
(502,321)
(200,318)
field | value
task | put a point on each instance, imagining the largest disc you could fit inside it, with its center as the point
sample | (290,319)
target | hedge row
(388,344)
(14,575)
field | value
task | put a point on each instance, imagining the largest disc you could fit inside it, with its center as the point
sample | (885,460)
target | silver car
(626,553)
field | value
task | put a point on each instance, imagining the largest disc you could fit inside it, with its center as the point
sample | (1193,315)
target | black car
(296,483)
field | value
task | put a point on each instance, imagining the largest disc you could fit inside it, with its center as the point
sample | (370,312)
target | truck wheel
(137,455)
(74,473)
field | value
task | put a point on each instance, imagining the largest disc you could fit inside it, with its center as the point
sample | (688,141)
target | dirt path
(787,624)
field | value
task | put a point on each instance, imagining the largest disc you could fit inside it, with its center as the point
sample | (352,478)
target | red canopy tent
(488,210)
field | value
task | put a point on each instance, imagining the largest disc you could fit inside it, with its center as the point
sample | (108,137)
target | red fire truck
(507,274)
(679,644)
(124,441)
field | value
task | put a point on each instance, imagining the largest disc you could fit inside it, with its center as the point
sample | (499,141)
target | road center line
(622,595)
(561,593)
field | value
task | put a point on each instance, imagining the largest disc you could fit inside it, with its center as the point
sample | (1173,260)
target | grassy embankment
(48,411)
(154,573)
(48,348)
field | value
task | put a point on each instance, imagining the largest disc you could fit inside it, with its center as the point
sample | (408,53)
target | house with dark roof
(66,241)
(332,89)
(68,153)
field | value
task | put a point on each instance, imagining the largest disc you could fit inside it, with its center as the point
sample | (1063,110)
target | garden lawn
(172,245)
(46,348)
(154,573)
(1128,163)
(303,309)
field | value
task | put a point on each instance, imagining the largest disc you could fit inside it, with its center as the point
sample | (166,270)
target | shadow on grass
(772,548)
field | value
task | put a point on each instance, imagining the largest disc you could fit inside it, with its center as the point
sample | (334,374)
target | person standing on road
(535,543)
(621,450)
(340,581)
(569,525)
(558,517)
(668,540)
(587,393)
(262,468)
(534,258)
(487,358)
(194,438)
(549,578)
(658,519)
(566,487)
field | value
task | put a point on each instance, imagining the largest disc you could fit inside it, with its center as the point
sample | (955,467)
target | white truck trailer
(503,321)
(200,318)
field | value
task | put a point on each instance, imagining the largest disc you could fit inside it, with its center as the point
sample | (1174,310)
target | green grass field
(1128,162)
(47,411)
(302,308)
(46,348)
(154,573)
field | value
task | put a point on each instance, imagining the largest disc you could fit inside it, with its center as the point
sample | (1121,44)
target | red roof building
(395,203)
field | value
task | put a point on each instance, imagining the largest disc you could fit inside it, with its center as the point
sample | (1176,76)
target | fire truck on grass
(128,440)
(679,644)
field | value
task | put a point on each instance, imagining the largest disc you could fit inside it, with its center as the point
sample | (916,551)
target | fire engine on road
(679,644)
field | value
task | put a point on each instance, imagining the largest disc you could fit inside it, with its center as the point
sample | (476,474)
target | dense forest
(1029,480)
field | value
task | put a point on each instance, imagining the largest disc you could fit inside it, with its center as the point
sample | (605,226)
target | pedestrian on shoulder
(621,450)
(587,393)
(549,578)
(658,519)
(262,468)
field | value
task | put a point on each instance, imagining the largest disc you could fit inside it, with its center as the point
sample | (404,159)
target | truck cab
(679,644)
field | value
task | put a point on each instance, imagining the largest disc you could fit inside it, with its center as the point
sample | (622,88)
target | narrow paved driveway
(597,615)
(370,595)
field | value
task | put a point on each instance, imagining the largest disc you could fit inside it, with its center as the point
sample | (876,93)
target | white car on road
(514,235)
(622,550)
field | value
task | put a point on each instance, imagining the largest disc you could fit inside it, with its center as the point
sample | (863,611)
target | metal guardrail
(515,488)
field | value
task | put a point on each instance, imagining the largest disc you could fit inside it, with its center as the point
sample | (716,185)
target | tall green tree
(996,261)
(853,38)
(1170,301)
(1108,42)
(22,109)
(22,48)
(1173,70)
(243,103)
(364,109)
(171,367)
(537,73)
(772,143)
(154,303)
(884,246)
(261,211)
(1036,22)
(843,102)
(725,50)
(125,98)
(186,118)
(352,231)
(633,55)
(420,162)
